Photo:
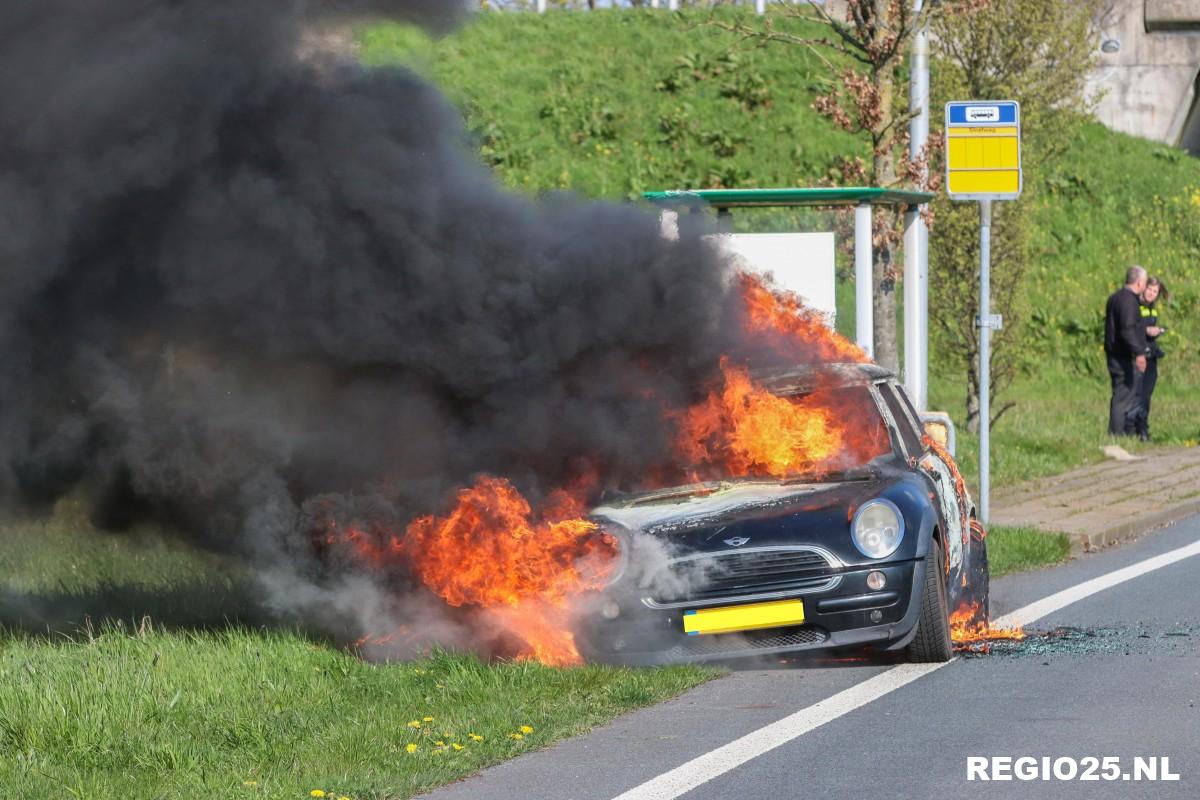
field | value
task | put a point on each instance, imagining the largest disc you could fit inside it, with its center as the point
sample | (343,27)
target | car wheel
(932,640)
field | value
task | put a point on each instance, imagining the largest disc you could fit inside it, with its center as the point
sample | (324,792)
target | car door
(951,493)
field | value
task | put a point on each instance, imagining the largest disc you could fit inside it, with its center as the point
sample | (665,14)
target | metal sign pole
(985,353)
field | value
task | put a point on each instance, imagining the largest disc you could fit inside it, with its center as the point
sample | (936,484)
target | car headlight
(877,529)
(613,570)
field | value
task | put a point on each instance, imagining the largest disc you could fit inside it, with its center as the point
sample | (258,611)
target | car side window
(912,411)
(904,419)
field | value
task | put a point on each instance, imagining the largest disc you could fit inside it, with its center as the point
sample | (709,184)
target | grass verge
(248,714)
(204,703)
(1021,549)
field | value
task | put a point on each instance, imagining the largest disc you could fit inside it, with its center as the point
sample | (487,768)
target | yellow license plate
(743,618)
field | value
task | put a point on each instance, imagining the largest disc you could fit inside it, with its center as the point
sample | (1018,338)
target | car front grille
(733,575)
(724,644)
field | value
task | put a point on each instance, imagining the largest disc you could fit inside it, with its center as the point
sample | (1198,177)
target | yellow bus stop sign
(983,150)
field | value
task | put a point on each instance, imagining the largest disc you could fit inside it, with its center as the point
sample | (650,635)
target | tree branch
(1000,413)
(814,46)
(838,27)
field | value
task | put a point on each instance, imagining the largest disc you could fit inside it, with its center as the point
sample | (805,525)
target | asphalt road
(1118,674)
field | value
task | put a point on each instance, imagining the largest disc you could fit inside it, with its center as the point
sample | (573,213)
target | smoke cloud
(249,291)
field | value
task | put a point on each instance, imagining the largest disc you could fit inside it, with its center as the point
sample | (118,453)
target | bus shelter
(863,199)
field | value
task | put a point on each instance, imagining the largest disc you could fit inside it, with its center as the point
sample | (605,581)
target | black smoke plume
(248,286)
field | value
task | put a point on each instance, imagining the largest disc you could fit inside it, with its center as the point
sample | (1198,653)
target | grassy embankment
(617,103)
(197,701)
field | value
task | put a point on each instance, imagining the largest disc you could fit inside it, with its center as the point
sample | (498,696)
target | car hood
(711,516)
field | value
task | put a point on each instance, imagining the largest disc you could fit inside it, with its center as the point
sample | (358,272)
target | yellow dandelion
(414,724)
(474,737)
(456,746)
(412,748)
(343,797)
(525,729)
(317,793)
(427,719)
(250,783)
(440,743)
(439,686)
(517,736)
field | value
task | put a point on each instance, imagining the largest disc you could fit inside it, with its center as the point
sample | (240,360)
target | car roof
(792,380)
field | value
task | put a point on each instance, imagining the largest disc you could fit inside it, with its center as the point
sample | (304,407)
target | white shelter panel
(799,262)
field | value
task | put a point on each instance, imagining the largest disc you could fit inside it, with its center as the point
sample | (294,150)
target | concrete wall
(1148,85)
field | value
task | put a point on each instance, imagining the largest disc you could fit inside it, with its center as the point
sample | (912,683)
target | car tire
(932,641)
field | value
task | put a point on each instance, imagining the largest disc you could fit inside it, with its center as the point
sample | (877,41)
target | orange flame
(493,551)
(800,333)
(966,627)
(746,430)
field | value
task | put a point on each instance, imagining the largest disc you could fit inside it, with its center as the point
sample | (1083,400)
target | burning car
(881,550)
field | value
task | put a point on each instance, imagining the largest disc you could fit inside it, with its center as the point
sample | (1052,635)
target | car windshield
(854,423)
(844,437)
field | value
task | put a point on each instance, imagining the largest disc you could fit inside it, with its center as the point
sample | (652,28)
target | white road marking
(715,763)
(701,770)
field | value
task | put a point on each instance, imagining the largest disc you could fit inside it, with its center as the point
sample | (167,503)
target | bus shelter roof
(824,196)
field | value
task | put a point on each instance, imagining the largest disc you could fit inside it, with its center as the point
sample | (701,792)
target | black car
(878,554)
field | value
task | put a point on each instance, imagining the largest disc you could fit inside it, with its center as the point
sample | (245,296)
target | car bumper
(835,618)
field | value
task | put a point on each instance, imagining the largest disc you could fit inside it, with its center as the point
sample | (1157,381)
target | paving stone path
(1107,502)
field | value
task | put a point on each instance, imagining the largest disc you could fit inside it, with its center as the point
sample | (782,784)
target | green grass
(164,686)
(1061,422)
(1112,200)
(614,103)
(61,550)
(1021,549)
(56,569)
(154,714)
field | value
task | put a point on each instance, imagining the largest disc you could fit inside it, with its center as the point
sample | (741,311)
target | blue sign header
(983,113)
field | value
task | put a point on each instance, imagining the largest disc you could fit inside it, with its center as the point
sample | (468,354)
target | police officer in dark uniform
(1125,347)
(1154,293)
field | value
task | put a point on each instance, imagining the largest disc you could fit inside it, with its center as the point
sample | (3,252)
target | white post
(864,295)
(760,7)
(985,355)
(654,3)
(916,234)
(913,344)
(541,6)
(673,5)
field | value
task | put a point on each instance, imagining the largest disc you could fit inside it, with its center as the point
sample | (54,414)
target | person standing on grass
(1154,293)
(1125,347)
